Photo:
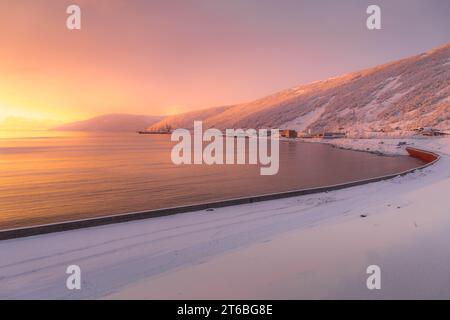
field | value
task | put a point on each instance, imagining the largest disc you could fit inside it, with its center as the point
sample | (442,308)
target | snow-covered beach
(228,150)
(315,246)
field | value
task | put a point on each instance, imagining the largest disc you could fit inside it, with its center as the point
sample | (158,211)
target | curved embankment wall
(426,156)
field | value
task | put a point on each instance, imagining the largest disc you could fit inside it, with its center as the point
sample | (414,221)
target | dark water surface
(57,177)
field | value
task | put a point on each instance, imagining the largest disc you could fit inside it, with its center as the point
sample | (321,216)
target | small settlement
(289,133)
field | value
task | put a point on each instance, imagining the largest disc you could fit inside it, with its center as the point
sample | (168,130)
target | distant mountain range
(397,96)
(112,123)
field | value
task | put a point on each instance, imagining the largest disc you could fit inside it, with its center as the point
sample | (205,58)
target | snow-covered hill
(186,120)
(395,97)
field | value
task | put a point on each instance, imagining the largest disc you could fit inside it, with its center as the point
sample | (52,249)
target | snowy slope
(394,97)
(186,120)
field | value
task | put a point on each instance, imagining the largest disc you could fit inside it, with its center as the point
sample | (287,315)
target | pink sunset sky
(171,56)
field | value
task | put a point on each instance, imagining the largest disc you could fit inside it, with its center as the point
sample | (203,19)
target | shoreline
(293,248)
(68,225)
(387,146)
(328,259)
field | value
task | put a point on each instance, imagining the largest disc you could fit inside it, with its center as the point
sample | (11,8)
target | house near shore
(305,135)
(334,135)
(430,132)
(288,133)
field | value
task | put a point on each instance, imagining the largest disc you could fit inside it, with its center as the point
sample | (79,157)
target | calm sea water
(51,176)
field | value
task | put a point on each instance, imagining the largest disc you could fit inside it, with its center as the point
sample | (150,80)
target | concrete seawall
(428,157)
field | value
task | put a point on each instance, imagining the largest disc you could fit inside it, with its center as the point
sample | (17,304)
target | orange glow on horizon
(169,57)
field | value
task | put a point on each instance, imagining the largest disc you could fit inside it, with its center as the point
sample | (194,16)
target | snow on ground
(301,123)
(389,146)
(390,84)
(315,246)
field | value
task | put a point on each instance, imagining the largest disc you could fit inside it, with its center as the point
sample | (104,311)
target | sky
(170,56)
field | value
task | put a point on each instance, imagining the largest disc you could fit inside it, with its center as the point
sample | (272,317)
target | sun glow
(7,111)
(15,119)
